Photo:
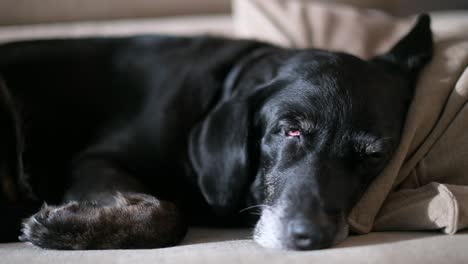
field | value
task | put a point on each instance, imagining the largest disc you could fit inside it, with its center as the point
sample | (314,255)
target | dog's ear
(222,147)
(218,149)
(413,51)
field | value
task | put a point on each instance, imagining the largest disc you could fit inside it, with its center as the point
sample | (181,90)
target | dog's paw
(55,227)
(133,221)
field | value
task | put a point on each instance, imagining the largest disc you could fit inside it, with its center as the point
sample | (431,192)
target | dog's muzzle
(276,229)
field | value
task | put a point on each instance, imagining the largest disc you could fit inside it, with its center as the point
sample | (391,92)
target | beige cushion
(47,11)
(302,23)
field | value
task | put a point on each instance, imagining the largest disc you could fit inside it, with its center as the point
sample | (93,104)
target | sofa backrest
(14,12)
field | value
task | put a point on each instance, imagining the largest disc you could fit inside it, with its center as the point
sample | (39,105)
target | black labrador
(138,137)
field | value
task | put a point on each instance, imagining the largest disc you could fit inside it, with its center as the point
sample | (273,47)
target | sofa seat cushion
(226,246)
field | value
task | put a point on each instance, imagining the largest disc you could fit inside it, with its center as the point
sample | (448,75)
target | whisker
(252,207)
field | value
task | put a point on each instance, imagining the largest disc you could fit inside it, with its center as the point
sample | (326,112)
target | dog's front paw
(55,227)
(132,221)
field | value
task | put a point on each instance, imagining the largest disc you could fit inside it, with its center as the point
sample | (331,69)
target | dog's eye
(293,133)
(372,158)
(375,156)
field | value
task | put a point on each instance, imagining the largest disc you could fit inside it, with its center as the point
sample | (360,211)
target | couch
(29,19)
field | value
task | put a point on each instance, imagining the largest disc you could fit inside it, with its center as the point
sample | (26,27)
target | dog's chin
(269,232)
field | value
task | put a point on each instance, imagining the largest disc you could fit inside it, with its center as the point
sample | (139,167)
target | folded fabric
(425,185)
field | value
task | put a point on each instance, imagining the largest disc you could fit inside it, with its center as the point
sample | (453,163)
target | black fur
(138,137)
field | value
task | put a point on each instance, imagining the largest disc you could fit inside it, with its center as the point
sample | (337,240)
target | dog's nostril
(302,235)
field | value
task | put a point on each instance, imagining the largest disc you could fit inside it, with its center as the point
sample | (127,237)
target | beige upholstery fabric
(213,24)
(387,5)
(224,246)
(46,11)
(308,24)
(425,186)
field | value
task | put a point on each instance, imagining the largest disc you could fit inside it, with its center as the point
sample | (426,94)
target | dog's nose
(303,235)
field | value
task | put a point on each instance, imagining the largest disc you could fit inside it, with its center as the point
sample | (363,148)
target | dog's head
(303,134)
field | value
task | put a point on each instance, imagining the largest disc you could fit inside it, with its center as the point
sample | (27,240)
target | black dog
(139,137)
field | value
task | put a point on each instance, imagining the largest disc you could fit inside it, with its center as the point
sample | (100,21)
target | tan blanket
(425,186)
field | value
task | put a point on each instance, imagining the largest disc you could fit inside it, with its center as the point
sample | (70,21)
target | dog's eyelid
(375,155)
(374,151)
(305,126)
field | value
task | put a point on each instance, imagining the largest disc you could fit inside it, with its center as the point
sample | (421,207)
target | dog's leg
(105,210)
